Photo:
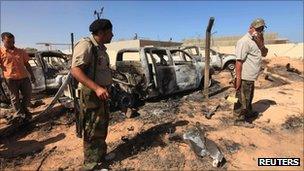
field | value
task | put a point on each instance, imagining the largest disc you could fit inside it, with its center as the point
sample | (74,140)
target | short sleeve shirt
(83,55)
(12,63)
(247,51)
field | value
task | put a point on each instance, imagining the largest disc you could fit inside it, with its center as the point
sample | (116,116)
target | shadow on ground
(262,105)
(24,148)
(145,140)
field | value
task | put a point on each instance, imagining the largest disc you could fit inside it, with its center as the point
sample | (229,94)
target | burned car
(151,72)
(50,69)
(218,61)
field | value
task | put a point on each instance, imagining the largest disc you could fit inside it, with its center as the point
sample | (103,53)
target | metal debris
(291,69)
(202,146)
(45,156)
(209,112)
(231,146)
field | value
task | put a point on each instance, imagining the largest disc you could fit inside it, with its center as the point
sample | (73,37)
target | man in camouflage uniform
(249,52)
(90,66)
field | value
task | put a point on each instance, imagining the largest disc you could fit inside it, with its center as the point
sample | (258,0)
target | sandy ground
(143,143)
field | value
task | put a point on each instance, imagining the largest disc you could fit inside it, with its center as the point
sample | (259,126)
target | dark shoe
(28,115)
(110,156)
(252,114)
(240,118)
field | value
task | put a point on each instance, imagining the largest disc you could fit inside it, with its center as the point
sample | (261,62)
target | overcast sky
(53,21)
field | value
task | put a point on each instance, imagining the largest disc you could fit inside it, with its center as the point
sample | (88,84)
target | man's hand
(259,40)
(238,73)
(237,83)
(264,51)
(102,93)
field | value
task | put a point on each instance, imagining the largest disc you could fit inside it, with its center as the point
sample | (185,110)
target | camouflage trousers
(243,107)
(96,123)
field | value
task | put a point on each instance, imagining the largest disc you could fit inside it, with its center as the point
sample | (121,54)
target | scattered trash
(291,69)
(269,78)
(244,124)
(131,128)
(158,112)
(282,92)
(190,114)
(227,121)
(284,73)
(232,99)
(37,103)
(231,146)
(266,130)
(252,145)
(293,122)
(202,146)
(209,112)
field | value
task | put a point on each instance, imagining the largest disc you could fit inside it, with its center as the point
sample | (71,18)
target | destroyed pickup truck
(50,69)
(218,61)
(151,72)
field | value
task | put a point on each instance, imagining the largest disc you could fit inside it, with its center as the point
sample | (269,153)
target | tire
(230,65)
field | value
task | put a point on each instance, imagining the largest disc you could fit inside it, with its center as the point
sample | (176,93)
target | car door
(192,50)
(185,69)
(163,72)
(37,69)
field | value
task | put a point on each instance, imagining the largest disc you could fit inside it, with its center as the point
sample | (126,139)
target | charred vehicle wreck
(151,72)
(219,61)
(139,74)
(50,69)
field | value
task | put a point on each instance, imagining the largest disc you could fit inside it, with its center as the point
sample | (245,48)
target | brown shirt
(83,55)
(12,63)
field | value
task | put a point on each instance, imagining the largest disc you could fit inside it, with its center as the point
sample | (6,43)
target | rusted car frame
(157,72)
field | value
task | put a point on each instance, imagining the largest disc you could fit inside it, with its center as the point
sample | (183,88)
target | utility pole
(98,14)
(72,43)
(207,58)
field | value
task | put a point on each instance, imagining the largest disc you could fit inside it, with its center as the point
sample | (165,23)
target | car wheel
(231,66)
